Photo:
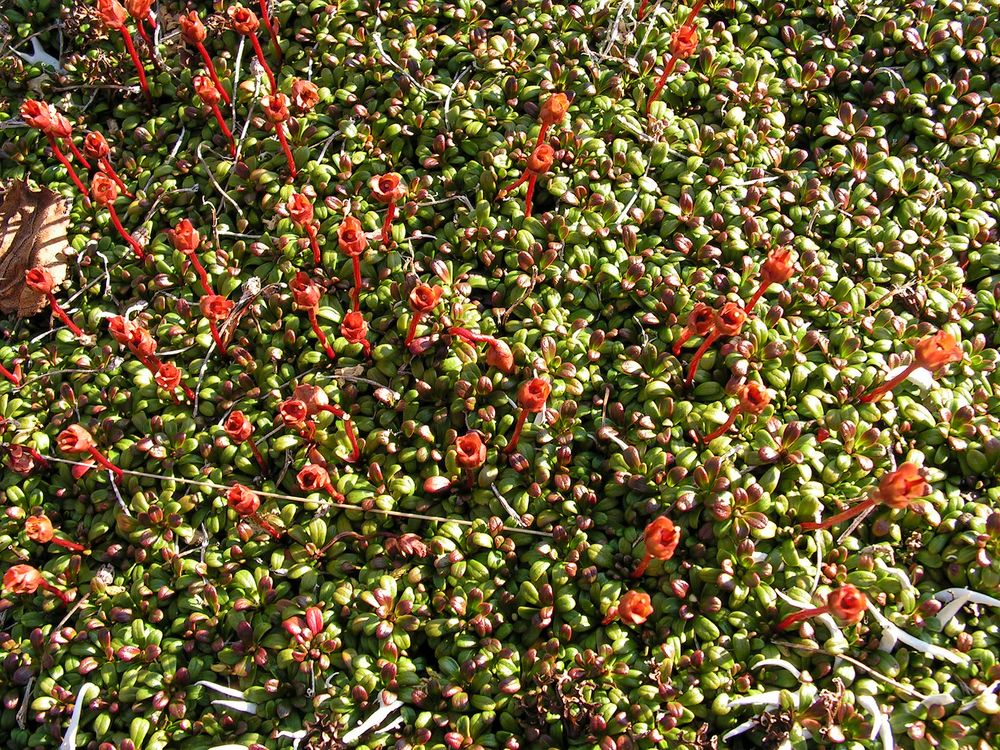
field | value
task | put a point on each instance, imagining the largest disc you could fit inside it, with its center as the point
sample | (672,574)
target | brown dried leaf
(32,234)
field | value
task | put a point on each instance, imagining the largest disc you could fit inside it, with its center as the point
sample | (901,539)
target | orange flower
(847,604)
(354,328)
(554,109)
(532,395)
(424,298)
(901,487)
(635,607)
(275,108)
(168,376)
(684,41)
(730,319)
(754,398)
(300,210)
(103,189)
(351,237)
(700,319)
(39,280)
(141,342)
(936,351)
(36,114)
(243,500)
(500,356)
(244,20)
(22,579)
(192,29)
(138,9)
(313,477)
(215,307)
(470,451)
(305,293)
(541,159)
(39,529)
(305,95)
(120,329)
(75,439)
(238,427)
(96,145)
(293,412)
(388,187)
(314,398)
(778,267)
(661,538)
(59,126)
(185,237)
(112,13)
(206,90)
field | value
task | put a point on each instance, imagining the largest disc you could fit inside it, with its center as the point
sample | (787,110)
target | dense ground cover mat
(499,374)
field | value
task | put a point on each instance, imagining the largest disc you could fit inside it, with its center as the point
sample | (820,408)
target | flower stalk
(539,163)
(40,280)
(531,397)
(931,352)
(683,44)
(76,440)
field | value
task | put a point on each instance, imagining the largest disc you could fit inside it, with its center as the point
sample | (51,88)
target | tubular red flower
(40,280)
(423,299)
(14,377)
(661,538)
(354,328)
(209,92)
(194,32)
(388,188)
(539,162)
(39,530)
(75,439)
(114,17)
(778,268)
(931,352)
(754,398)
(313,477)
(216,308)
(531,397)
(305,95)
(96,147)
(846,603)
(245,22)
(728,322)
(635,607)
(683,44)
(168,377)
(104,192)
(470,451)
(246,503)
(300,210)
(699,323)
(26,580)
(239,430)
(352,242)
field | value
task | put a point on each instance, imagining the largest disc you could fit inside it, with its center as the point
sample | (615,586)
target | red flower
(541,159)
(36,114)
(847,604)
(293,412)
(554,109)
(120,329)
(215,306)
(141,342)
(531,396)
(22,579)
(305,95)
(424,297)
(388,187)
(238,427)
(701,319)
(275,108)
(168,376)
(192,29)
(754,398)
(778,267)
(314,398)
(206,89)
(185,237)
(500,356)
(138,9)
(75,439)
(305,293)
(354,328)
(635,607)
(103,189)
(59,127)
(901,487)
(936,351)
(300,209)
(39,529)
(470,451)
(112,13)
(730,319)
(243,500)
(39,280)
(244,20)
(96,146)
(661,538)
(313,477)
(351,237)
(684,42)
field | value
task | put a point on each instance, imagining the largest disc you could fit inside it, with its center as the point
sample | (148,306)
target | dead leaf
(32,234)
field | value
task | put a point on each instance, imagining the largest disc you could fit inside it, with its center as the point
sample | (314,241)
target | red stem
(211,72)
(76,152)
(414,322)
(256,453)
(142,32)
(804,614)
(136,247)
(642,566)
(271,23)
(200,269)
(387,224)
(532,179)
(284,147)
(65,162)
(103,461)
(12,377)
(37,456)
(333,493)
(258,519)
(319,333)
(356,262)
(187,392)
(845,515)
(66,544)
(352,438)
(46,586)
(642,9)
(668,68)
(514,185)
(106,167)
(876,394)
(217,337)
(685,336)
(61,314)
(263,61)
(541,134)
(225,128)
(516,435)
(694,12)
(468,336)
(757,295)
(314,242)
(723,428)
(693,367)
(138,63)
